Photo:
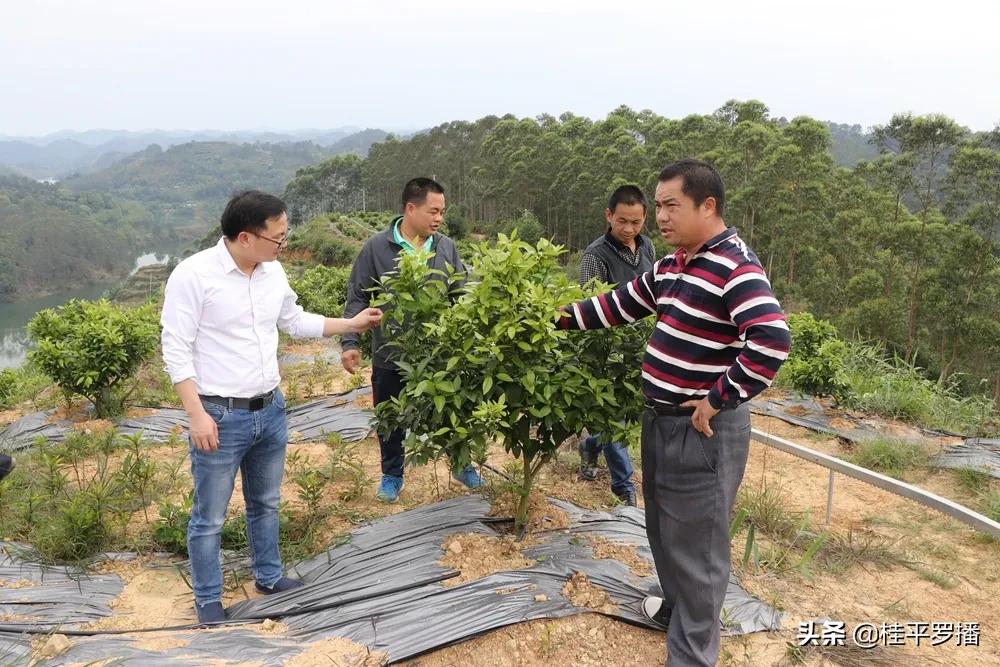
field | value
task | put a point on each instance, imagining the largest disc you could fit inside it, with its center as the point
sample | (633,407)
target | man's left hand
(703,413)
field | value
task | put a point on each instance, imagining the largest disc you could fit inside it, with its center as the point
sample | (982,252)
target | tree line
(901,248)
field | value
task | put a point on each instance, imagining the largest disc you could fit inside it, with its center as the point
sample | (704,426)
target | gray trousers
(689,485)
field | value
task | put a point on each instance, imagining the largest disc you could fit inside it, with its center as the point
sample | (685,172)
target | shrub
(8,384)
(323,289)
(493,364)
(90,348)
(817,359)
(77,530)
(334,252)
(170,530)
(19,384)
(527,227)
(457,222)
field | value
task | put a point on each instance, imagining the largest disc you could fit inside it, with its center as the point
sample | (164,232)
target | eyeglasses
(281,243)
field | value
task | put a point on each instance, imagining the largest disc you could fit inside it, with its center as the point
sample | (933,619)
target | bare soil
(946,572)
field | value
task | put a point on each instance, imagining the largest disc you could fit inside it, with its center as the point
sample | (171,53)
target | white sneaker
(656,610)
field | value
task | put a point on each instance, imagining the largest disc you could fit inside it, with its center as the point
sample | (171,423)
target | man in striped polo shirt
(719,339)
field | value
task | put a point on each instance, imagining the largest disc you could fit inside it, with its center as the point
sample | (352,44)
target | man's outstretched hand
(369,318)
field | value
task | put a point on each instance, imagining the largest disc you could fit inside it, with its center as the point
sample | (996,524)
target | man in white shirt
(221,313)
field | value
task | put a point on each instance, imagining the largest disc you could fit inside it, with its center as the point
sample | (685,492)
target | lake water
(15,316)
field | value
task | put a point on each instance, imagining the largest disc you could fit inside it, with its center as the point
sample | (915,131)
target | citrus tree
(323,289)
(487,362)
(816,363)
(90,348)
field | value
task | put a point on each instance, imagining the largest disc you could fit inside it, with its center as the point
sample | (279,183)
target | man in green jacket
(423,214)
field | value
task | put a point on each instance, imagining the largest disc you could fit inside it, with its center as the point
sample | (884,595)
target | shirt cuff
(714,399)
(311,325)
(185,372)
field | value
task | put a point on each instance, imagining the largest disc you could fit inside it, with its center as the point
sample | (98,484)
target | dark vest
(619,270)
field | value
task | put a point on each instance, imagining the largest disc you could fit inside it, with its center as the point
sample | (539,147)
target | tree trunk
(521,516)
(911,312)
(106,403)
(947,365)
(791,268)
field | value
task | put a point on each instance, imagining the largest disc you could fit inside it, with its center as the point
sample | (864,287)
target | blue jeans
(619,463)
(253,443)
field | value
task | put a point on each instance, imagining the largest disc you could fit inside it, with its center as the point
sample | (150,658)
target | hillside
(188,184)
(50,237)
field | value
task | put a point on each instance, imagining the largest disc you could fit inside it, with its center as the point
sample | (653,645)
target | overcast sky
(246,64)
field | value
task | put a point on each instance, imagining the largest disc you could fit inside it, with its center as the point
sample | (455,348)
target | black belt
(253,404)
(669,409)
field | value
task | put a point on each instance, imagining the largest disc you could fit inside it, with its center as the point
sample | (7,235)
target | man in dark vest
(617,257)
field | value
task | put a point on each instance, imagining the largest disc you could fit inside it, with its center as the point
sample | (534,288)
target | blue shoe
(280,586)
(210,613)
(388,490)
(469,477)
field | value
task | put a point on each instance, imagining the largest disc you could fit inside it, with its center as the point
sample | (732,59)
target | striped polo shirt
(719,330)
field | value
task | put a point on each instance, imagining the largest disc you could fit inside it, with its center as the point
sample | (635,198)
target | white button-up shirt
(220,326)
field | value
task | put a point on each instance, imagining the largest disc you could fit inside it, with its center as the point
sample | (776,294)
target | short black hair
(628,195)
(416,189)
(249,211)
(700,180)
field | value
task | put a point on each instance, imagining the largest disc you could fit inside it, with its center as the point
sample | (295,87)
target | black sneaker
(210,613)
(6,465)
(656,610)
(280,586)
(629,498)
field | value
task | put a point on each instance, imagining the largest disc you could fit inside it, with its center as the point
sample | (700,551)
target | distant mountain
(358,143)
(51,160)
(64,153)
(143,138)
(52,238)
(188,184)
